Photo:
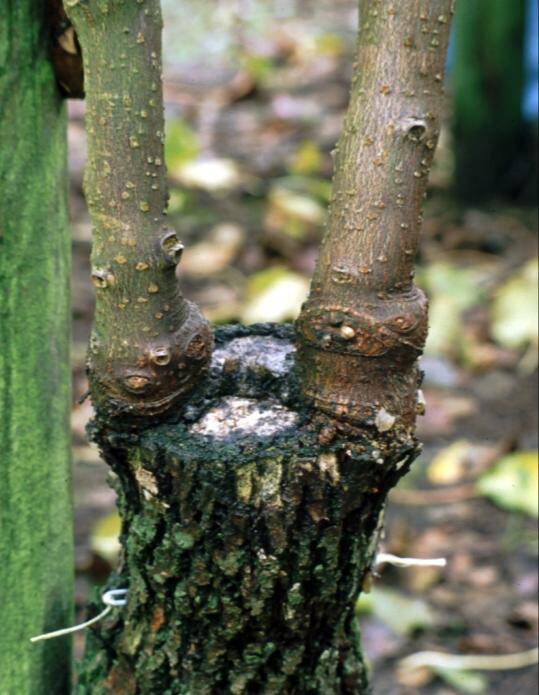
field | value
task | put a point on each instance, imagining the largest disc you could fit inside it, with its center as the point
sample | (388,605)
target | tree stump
(248,530)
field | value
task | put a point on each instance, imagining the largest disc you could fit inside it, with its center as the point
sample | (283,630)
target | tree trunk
(488,80)
(251,516)
(246,541)
(36,564)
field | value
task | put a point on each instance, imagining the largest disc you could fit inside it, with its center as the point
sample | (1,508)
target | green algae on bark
(36,561)
(245,542)
(149,346)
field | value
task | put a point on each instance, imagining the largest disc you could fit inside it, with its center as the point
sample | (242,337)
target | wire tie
(112,599)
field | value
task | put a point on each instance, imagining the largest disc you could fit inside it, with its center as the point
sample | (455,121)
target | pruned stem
(365,322)
(149,345)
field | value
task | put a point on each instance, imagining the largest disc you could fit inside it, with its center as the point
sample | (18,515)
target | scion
(149,346)
(365,323)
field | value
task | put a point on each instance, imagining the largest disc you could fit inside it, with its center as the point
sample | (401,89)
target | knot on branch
(415,129)
(148,379)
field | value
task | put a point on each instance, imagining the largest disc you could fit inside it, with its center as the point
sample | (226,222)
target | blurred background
(255,93)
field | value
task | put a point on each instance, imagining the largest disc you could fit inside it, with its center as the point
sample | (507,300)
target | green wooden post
(36,563)
(490,136)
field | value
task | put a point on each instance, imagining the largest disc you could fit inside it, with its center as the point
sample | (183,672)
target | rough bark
(250,520)
(149,345)
(245,541)
(36,563)
(365,323)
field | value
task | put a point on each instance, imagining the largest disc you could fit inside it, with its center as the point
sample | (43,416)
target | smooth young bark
(365,323)
(149,345)
(492,143)
(36,562)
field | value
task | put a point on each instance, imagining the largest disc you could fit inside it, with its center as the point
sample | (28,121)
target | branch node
(171,247)
(414,129)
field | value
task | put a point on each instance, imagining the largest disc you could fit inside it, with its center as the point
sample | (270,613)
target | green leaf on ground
(275,295)
(308,159)
(512,483)
(330,44)
(181,144)
(449,280)
(467,682)
(105,538)
(258,67)
(515,309)
(211,174)
(296,205)
(401,613)
(449,465)
(214,254)
(452,290)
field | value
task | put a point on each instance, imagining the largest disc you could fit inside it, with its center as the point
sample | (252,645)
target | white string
(388,559)
(111,599)
(116,597)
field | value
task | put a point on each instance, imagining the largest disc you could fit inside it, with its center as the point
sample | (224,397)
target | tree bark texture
(36,562)
(245,541)
(365,323)
(250,517)
(491,140)
(149,345)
